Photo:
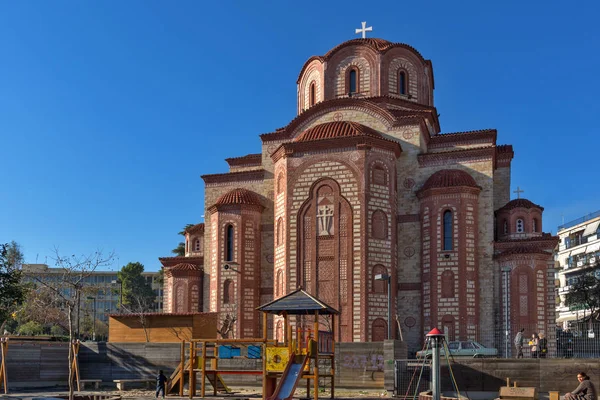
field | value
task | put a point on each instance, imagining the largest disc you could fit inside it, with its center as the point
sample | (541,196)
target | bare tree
(227,326)
(140,307)
(67,287)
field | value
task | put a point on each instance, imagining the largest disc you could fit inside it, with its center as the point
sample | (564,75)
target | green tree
(584,293)
(138,295)
(180,249)
(31,328)
(14,254)
(13,291)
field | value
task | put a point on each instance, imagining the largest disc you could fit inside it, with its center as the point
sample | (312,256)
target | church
(362,184)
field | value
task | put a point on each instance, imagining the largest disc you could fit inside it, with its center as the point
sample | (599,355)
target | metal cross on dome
(518,192)
(364,30)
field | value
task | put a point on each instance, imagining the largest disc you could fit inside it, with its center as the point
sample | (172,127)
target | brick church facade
(362,182)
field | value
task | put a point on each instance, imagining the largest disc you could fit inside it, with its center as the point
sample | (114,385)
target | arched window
(534,224)
(312,99)
(197,245)
(505,227)
(353,81)
(279,284)
(228,291)
(186,245)
(520,226)
(229,243)
(379,330)
(279,332)
(402,82)
(280,182)
(447,230)
(279,232)
(379,286)
(379,175)
(379,225)
(448,284)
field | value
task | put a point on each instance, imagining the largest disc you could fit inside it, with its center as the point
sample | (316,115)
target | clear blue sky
(111,111)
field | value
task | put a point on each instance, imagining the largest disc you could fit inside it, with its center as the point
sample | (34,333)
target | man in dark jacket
(585,390)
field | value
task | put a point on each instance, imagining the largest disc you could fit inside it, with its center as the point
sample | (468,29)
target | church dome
(520,203)
(185,267)
(337,129)
(239,196)
(449,178)
(379,45)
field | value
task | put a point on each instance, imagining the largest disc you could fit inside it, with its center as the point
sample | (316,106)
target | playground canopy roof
(298,302)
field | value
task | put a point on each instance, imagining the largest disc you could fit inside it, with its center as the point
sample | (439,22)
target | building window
(505,227)
(520,226)
(228,291)
(279,232)
(448,285)
(197,245)
(402,82)
(312,95)
(229,243)
(379,175)
(379,225)
(448,230)
(534,225)
(353,81)
(379,330)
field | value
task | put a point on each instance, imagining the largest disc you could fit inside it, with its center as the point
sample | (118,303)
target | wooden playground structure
(300,356)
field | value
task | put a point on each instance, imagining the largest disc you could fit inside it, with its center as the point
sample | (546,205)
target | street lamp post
(388,278)
(506,273)
(94,320)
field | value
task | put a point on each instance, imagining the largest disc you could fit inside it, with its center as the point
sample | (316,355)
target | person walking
(543,343)
(161,380)
(585,390)
(519,343)
(534,343)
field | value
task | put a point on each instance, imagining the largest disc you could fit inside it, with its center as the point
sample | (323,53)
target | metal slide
(290,378)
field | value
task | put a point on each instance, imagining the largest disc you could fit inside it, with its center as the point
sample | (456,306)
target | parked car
(466,348)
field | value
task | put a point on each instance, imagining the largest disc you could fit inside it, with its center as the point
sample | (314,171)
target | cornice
(231,177)
(457,156)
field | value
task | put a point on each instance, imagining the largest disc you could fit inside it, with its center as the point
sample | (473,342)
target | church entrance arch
(325,251)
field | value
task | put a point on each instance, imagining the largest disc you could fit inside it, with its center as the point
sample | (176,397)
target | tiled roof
(337,129)
(195,228)
(239,196)
(444,138)
(520,203)
(449,178)
(186,267)
(523,250)
(250,159)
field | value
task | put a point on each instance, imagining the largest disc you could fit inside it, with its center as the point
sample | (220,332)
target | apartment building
(102,288)
(578,255)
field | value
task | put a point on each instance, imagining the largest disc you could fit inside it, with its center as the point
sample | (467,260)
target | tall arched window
(279,239)
(534,225)
(279,284)
(447,284)
(505,228)
(379,225)
(447,230)
(197,245)
(379,330)
(402,82)
(228,291)
(520,226)
(312,98)
(229,243)
(353,81)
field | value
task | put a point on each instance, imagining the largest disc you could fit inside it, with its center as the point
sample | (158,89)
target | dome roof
(239,196)
(379,45)
(520,203)
(337,129)
(185,267)
(449,178)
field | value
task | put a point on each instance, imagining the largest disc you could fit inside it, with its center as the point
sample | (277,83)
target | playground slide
(290,378)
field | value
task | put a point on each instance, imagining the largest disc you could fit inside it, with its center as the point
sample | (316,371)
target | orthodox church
(360,187)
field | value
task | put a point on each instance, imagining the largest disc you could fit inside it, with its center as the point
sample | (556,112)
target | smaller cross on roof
(364,30)
(518,192)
